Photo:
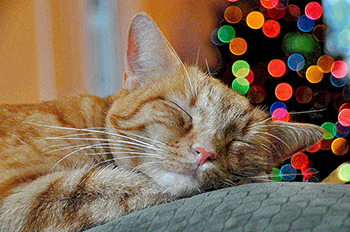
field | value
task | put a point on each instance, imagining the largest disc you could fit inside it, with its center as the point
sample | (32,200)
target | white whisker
(146,164)
(112,141)
(308,111)
(197,60)
(104,145)
(274,136)
(208,69)
(92,131)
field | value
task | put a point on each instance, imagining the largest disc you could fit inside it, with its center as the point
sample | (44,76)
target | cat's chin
(178,184)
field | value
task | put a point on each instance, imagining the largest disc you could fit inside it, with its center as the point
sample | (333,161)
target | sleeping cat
(172,132)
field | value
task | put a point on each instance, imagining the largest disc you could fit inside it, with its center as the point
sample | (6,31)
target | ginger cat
(172,132)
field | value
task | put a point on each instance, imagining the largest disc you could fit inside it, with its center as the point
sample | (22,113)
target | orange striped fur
(172,132)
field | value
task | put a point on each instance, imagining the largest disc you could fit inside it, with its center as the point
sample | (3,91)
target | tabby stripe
(137,109)
(7,186)
(51,197)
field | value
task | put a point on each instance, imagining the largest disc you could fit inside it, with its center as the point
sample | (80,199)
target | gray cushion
(271,206)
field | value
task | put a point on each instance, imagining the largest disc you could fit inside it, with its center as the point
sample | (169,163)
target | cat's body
(171,132)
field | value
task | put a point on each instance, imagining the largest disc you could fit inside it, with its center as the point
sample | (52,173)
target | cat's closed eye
(184,118)
(181,121)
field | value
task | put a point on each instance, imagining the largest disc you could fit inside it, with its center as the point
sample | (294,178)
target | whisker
(208,69)
(91,131)
(146,164)
(141,154)
(104,145)
(88,147)
(197,60)
(140,136)
(308,111)
(115,142)
(274,136)
(66,156)
(100,163)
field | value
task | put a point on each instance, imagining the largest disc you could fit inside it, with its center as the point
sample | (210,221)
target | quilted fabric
(271,206)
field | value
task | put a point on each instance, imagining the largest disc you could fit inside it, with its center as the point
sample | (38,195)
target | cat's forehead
(206,97)
(206,91)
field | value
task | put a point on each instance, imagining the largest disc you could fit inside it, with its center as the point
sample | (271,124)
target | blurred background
(51,49)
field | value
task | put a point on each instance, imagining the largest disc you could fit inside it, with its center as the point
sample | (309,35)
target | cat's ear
(289,138)
(148,53)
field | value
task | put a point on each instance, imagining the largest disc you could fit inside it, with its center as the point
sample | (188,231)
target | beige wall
(44,47)
(18,63)
(41,50)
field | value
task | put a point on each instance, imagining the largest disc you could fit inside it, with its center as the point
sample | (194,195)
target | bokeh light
(340,131)
(256,94)
(302,43)
(271,28)
(214,37)
(276,68)
(233,14)
(283,91)
(303,94)
(340,146)
(275,175)
(328,128)
(345,105)
(292,13)
(288,172)
(282,4)
(339,69)
(344,117)
(277,105)
(240,68)
(319,32)
(255,20)
(344,172)
(313,74)
(296,62)
(299,159)
(325,63)
(313,10)
(338,82)
(240,85)
(305,24)
(280,114)
(226,33)
(314,148)
(326,144)
(269,4)
(238,46)
(250,76)
(277,12)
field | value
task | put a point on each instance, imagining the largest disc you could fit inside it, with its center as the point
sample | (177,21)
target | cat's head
(185,129)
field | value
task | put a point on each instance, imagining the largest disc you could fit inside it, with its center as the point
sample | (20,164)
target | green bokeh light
(328,127)
(275,175)
(240,85)
(344,173)
(240,68)
(302,43)
(226,33)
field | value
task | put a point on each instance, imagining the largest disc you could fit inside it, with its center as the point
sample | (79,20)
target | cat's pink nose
(203,155)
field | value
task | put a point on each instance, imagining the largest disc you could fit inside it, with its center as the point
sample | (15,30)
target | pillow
(273,206)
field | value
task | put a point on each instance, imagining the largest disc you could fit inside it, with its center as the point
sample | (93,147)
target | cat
(171,132)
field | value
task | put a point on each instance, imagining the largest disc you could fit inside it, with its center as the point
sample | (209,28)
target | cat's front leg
(77,200)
